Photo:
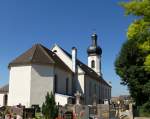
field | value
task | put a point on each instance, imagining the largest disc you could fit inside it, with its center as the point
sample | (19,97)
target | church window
(55,51)
(55,83)
(67,85)
(93,64)
(5,99)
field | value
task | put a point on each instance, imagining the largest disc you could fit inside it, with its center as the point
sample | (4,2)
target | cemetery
(70,111)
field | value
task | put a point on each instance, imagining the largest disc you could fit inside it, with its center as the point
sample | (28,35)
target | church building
(40,70)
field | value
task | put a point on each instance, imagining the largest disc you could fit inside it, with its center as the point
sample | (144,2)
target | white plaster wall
(105,93)
(80,83)
(1,99)
(65,58)
(97,63)
(29,85)
(42,77)
(61,99)
(87,91)
(97,91)
(109,92)
(62,75)
(19,85)
(101,91)
(91,82)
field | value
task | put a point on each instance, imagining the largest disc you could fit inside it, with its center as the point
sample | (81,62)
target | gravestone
(103,111)
(92,111)
(94,100)
(68,115)
(78,95)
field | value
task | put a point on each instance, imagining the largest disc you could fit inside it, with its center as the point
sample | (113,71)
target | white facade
(65,58)
(61,99)
(30,84)
(79,82)
(85,84)
(26,84)
(42,78)
(64,81)
(63,76)
(96,59)
(1,100)
(19,85)
(92,90)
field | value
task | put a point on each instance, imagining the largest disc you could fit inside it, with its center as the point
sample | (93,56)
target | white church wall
(41,82)
(1,100)
(101,91)
(109,92)
(97,91)
(65,58)
(62,76)
(68,62)
(61,99)
(89,91)
(91,88)
(97,63)
(62,56)
(19,85)
(80,83)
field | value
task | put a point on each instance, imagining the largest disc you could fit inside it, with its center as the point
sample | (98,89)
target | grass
(142,113)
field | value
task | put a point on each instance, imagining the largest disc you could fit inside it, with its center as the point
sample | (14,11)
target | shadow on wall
(43,71)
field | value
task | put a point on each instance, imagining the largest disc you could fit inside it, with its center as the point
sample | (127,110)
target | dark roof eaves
(27,64)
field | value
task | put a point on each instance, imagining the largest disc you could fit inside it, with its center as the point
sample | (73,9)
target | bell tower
(94,55)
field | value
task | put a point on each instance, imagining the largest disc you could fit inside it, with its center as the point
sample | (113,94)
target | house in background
(40,70)
(4,95)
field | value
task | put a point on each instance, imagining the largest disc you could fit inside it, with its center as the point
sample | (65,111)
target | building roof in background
(4,89)
(38,54)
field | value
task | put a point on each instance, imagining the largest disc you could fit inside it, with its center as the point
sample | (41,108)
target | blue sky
(67,23)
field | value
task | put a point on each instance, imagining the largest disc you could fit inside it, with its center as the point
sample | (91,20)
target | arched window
(93,64)
(55,83)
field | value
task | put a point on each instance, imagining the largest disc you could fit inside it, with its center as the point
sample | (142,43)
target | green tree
(140,28)
(133,61)
(49,107)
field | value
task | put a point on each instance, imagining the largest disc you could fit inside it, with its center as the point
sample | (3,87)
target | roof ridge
(42,48)
(54,55)
(34,51)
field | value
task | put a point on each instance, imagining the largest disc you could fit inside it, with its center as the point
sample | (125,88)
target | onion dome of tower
(93,48)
